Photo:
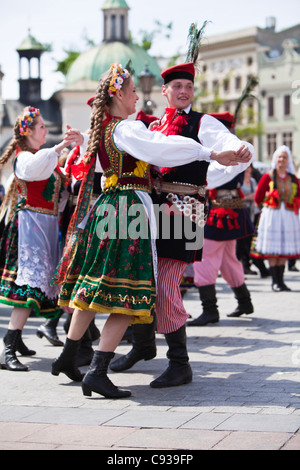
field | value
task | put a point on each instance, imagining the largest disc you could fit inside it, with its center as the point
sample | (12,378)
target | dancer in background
(278,231)
(29,247)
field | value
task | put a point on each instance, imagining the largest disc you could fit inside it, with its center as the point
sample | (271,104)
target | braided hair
(101,104)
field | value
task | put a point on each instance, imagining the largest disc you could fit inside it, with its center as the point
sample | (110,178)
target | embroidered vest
(285,193)
(40,196)
(122,171)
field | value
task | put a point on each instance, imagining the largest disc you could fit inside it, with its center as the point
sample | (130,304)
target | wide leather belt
(183,189)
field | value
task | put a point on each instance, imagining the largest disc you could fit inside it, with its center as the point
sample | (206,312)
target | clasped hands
(232,157)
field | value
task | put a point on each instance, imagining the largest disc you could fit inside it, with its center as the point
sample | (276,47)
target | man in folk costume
(184,189)
(228,220)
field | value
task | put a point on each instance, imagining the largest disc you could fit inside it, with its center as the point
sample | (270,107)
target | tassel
(229,224)
(220,223)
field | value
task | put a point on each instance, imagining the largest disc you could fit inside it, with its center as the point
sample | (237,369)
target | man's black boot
(210,313)
(143,347)
(179,371)
(244,301)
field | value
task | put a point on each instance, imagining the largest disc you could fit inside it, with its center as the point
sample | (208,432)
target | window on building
(215,85)
(113,27)
(287,139)
(226,85)
(238,83)
(287,105)
(271,107)
(122,19)
(204,87)
(271,144)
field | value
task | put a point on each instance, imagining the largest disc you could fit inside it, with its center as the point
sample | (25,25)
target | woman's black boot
(275,278)
(96,379)
(282,285)
(67,361)
(85,352)
(8,359)
(48,329)
(23,349)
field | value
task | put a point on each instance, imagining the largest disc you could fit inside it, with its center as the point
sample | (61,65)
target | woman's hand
(72,136)
(232,157)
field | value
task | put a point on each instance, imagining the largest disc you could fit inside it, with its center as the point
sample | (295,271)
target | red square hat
(186,70)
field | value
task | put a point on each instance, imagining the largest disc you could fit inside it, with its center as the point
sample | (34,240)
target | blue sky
(65,23)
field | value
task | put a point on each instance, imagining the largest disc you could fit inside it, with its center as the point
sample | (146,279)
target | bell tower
(115,14)
(30,87)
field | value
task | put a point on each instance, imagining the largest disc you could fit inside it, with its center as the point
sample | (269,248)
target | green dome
(92,64)
(114,4)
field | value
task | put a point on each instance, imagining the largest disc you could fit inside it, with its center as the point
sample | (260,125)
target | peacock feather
(194,41)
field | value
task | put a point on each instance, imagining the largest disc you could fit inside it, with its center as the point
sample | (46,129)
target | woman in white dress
(29,246)
(278,232)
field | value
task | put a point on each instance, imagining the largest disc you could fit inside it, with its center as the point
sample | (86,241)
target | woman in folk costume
(183,190)
(29,247)
(278,231)
(73,172)
(109,263)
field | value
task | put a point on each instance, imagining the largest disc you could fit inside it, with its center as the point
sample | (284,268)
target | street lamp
(146,79)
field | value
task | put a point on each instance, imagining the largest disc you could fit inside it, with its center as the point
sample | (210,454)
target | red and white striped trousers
(170,312)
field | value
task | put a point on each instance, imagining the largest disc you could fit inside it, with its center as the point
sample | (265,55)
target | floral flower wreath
(119,75)
(26,120)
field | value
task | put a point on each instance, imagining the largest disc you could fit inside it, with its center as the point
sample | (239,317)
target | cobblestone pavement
(245,393)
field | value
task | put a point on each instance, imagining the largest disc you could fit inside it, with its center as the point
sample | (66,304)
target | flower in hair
(27,119)
(119,75)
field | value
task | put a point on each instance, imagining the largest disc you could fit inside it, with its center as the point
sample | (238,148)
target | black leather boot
(282,285)
(8,359)
(67,361)
(96,379)
(244,301)
(179,371)
(210,313)
(23,349)
(143,347)
(275,278)
(48,329)
(85,352)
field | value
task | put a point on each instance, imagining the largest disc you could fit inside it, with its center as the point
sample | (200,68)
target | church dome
(116,47)
(92,64)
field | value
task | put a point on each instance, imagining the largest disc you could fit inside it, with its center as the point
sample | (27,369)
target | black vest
(192,173)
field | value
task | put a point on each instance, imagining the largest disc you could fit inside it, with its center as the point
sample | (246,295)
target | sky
(66,23)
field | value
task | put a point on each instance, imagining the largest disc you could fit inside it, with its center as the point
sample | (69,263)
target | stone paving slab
(245,392)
